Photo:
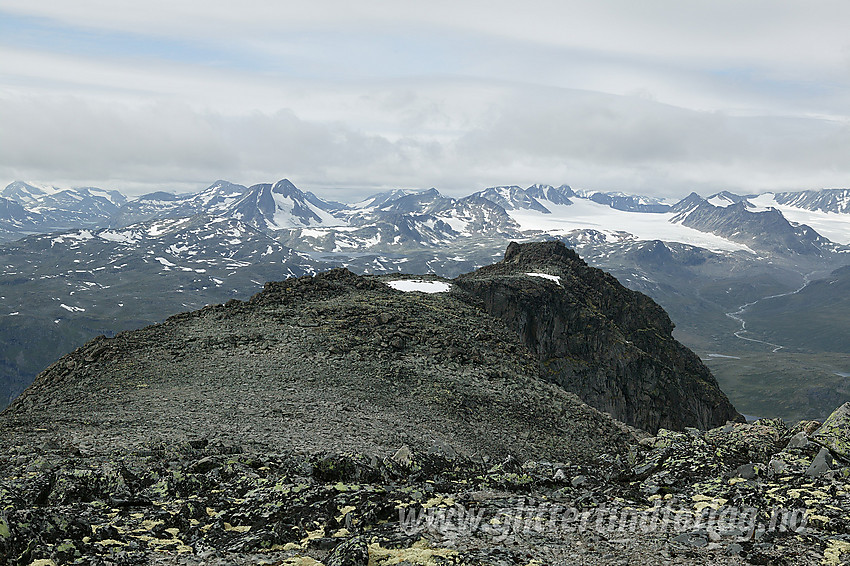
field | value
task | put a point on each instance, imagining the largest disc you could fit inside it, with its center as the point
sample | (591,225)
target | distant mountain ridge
(426,218)
(826,200)
(759,229)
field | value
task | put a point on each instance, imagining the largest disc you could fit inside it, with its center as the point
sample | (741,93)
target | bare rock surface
(333,362)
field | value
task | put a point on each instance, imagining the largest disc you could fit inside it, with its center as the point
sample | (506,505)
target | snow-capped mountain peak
(380,199)
(725,198)
(825,200)
(279,206)
(514,198)
(549,194)
(26,193)
(623,201)
(218,197)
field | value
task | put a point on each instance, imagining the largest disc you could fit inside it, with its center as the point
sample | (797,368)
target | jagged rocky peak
(514,198)
(688,203)
(610,345)
(286,188)
(554,195)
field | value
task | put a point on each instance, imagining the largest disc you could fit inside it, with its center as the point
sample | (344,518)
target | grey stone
(821,464)
(776,466)
(691,539)
(747,471)
(799,440)
(402,455)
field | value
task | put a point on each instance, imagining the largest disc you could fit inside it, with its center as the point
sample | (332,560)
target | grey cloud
(548,135)
(661,146)
(70,138)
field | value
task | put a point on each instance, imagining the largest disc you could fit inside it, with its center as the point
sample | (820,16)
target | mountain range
(427,217)
(72,256)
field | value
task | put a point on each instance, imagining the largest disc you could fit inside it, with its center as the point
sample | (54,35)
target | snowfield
(586,214)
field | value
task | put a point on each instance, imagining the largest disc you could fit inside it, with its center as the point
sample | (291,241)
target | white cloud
(654,96)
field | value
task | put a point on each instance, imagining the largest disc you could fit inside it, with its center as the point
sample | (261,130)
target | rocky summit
(610,345)
(334,362)
(359,421)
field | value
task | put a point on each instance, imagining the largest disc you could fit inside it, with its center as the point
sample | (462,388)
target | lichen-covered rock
(835,432)
(353,552)
(821,464)
(337,509)
(739,444)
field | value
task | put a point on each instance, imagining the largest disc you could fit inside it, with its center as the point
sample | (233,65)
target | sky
(347,98)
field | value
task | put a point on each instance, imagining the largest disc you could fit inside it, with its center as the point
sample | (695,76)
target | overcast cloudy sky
(345,97)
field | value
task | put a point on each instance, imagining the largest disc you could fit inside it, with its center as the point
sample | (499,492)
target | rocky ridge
(610,345)
(336,361)
(766,230)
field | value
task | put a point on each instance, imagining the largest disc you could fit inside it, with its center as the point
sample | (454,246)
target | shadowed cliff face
(610,345)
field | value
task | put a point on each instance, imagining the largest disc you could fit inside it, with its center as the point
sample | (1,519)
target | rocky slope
(739,494)
(610,345)
(335,420)
(336,362)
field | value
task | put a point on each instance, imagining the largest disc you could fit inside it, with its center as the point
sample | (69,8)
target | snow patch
(420,285)
(118,237)
(554,278)
(720,201)
(313,233)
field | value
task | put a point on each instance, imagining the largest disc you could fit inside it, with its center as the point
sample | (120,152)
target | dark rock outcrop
(611,346)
